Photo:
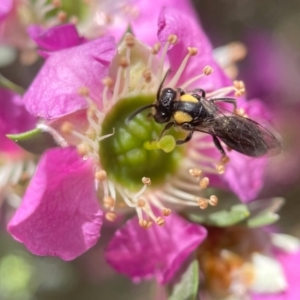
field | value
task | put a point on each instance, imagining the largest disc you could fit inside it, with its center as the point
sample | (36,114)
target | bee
(192,111)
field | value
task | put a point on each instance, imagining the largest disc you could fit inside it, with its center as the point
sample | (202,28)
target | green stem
(6,83)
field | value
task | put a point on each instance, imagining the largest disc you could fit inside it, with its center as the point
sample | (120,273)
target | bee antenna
(161,84)
(138,111)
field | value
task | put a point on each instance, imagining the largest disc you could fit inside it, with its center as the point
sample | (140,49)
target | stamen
(123,63)
(108,83)
(166,212)
(172,39)
(83,149)
(130,42)
(191,52)
(101,175)
(204,182)
(141,203)
(108,202)
(213,200)
(110,216)
(205,72)
(203,203)
(160,221)
(62,16)
(195,172)
(56,136)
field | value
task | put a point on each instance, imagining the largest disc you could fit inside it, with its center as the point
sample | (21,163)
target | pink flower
(157,252)
(240,262)
(85,95)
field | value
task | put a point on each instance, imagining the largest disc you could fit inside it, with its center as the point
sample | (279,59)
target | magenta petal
(190,34)
(5,7)
(290,263)
(60,215)
(55,38)
(14,118)
(155,252)
(55,90)
(149,10)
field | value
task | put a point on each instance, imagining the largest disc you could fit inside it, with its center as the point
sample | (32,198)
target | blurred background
(271,69)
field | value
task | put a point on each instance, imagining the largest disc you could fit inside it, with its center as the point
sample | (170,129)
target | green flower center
(129,155)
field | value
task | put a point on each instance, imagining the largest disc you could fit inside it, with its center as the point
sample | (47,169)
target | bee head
(162,112)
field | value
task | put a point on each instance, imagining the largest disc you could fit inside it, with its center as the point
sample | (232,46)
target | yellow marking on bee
(182,117)
(188,98)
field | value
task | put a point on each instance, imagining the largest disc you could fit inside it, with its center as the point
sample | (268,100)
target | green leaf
(263,219)
(263,212)
(35,141)
(236,214)
(186,286)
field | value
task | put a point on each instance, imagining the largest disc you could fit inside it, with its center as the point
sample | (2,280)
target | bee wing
(239,133)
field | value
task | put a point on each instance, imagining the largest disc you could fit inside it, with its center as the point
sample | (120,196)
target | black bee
(193,112)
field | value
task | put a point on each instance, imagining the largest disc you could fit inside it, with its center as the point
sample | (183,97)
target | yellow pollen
(73,20)
(149,224)
(66,127)
(213,200)
(101,175)
(155,49)
(108,201)
(124,63)
(83,149)
(166,212)
(238,84)
(146,181)
(172,38)
(141,203)
(225,159)
(195,172)
(56,3)
(240,111)
(220,168)
(62,16)
(204,182)
(83,91)
(192,51)
(203,203)
(207,70)
(107,81)
(110,216)
(143,223)
(147,75)
(160,221)
(129,40)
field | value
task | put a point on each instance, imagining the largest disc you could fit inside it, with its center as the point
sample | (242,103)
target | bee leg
(189,127)
(226,100)
(199,91)
(167,127)
(187,139)
(180,91)
(218,145)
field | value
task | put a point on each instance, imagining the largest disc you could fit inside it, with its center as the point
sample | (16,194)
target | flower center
(125,155)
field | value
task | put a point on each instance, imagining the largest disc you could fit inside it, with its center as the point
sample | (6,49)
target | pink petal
(55,38)
(5,7)
(14,118)
(54,92)
(190,34)
(60,215)
(290,263)
(155,252)
(150,10)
